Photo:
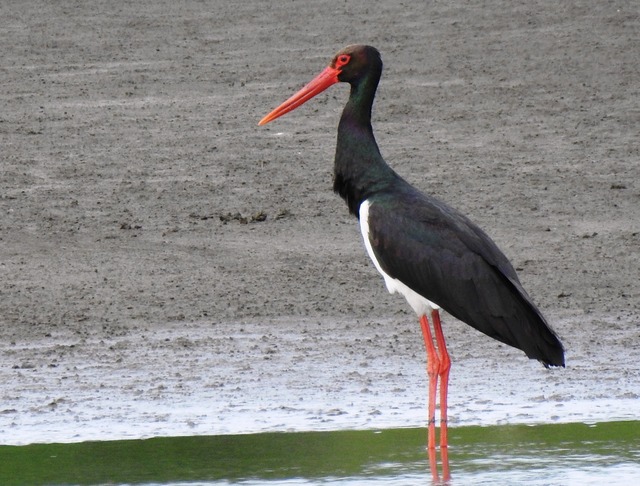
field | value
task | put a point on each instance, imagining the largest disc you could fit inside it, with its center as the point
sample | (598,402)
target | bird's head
(355,61)
(349,65)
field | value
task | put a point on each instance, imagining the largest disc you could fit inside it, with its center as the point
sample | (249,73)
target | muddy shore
(168,267)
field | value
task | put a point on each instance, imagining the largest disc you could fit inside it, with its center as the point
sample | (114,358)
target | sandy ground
(168,267)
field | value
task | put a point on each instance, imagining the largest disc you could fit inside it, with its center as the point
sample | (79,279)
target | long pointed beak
(328,77)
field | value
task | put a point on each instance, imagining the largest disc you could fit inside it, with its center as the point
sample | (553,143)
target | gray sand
(168,267)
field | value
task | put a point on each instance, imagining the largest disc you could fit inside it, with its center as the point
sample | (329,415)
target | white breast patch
(418,303)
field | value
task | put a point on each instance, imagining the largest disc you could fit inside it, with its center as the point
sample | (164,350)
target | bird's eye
(342,60)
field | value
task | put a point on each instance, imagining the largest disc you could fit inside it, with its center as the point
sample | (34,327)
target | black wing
(443,256)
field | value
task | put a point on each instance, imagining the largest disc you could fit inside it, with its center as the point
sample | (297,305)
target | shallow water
(580,454)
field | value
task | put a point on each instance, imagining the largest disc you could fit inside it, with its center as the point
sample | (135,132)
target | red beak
(316,86)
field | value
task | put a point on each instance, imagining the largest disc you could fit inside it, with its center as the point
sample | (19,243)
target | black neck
(359,167)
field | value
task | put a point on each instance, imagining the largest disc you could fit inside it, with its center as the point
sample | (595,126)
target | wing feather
(442,255)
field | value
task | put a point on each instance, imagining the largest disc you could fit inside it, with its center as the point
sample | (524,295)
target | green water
(544,454)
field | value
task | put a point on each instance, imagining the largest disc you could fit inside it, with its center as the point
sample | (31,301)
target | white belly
(418,303)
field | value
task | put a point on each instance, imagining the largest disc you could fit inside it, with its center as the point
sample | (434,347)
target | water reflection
(536,455)
(444,463)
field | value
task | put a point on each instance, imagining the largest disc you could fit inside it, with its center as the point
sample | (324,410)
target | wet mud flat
(294,375)
(168,266)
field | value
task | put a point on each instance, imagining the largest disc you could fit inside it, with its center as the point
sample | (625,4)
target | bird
(425,250)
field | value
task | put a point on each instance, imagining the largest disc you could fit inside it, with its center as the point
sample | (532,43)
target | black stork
(427,251)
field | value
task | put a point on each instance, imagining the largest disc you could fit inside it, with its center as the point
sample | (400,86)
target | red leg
(438,366)
(432,372)
(433,365)
(445,366)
